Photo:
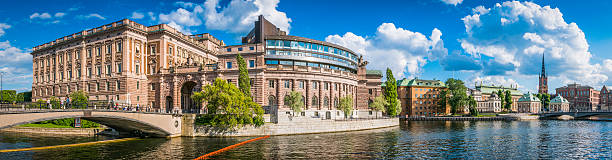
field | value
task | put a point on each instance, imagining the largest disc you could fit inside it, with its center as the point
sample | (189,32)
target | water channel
(543,139)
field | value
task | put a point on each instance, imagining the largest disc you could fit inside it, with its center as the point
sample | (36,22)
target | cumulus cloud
(460,62)
(16,65)
(237,17)
(3,26)
(152,15)
(137,15)
(60,14)
(92,15)
(40,15)
(452,2)
(403,51)
(516,35)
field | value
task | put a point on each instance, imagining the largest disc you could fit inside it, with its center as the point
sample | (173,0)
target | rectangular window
(153,50)
(88,52)
(152,86)
(326,86)
(313,64)
(137,68)
(98,86)
(118,86)
(287,83)
(229,49)
(99,70)
(137,85)
(69,74)
(228,65)
(79,73)
(108,69)
(271,83)
(108,48)
(98,51)
(107,86)
(240,49)
(301,84)
(118,47)
(251,48)
(300,63)
(88,72)
(119,69)
(251,63)
(289,63)
(271,61)
(315,85)
(170,51)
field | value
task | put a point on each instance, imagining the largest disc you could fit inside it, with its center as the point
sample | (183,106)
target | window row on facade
(272,62)
(288,44)
(305,54)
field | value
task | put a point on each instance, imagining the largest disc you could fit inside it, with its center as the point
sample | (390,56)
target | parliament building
(158,67)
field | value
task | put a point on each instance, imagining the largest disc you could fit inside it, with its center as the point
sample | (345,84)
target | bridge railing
(34,106)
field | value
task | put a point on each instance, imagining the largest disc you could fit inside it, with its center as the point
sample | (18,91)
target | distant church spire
(543,86)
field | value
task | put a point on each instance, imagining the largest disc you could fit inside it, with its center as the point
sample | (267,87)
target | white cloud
(237,17)
(92,15)
(59,14)
(516,34)
(137,15)
(403,51)
(40,15)
(3,26)
(152,15)
(452,2)
(16,65)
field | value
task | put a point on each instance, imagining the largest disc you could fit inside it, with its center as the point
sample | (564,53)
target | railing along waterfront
(45,107)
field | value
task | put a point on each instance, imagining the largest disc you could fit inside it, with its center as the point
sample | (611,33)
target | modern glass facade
(309,54)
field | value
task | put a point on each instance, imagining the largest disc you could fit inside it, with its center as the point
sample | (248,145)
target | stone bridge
(575,114)
(156,124)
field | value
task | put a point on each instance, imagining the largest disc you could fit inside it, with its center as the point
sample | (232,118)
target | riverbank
(55,131)
(298,125)
(499,118)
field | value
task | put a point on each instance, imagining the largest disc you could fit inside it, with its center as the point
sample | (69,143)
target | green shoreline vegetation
(62,123)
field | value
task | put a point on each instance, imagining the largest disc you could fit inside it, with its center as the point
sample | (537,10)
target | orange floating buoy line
(67,145)
(230,147)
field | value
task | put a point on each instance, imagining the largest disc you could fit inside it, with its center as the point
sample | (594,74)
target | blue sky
(496,42)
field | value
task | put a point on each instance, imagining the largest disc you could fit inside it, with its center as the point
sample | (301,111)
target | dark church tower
(543,87)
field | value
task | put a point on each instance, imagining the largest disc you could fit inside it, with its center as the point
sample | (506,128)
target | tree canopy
(458,97)
(8,96)
(390,93)
(346,105)
(472,106)
(508,100)
(227,106)
(78,98)
(295,101)
(244,82)
(379,104)
(544,100)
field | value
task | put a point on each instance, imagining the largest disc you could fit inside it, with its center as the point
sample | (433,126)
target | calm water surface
(412,140)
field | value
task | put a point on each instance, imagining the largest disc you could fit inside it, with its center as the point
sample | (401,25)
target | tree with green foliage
(508,99)
(346,105)
(20,97)
(70,123)
(27,96)
(8,96)
(227,106)
(544,100)
(500,93)
(78,99)
(443,98)
(295,101)
(390,94)
(244,82)
(55,102)
(458,94)
(472,106)
(379,104)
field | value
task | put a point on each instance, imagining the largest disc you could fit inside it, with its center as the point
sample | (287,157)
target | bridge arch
(153,124)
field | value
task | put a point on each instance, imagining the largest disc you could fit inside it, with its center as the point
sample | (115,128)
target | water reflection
(411,140)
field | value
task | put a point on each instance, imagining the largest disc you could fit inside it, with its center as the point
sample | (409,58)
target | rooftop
(129,23)
(559,99)
(529,98)
(420,82)
(490,89)
(374,72)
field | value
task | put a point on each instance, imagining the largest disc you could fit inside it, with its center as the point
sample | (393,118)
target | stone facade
(492,104)
(113,62)
(490,92)
(559,104)
(581,98)
(529,104)
(605,99)
(159,68)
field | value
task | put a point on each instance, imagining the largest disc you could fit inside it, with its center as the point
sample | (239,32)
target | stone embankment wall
(57,131)
(460,118)
(299,125)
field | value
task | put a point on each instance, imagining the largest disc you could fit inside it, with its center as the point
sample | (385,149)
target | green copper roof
(559,99)
(490,89)
(529,98)
(374,72)
(420,82)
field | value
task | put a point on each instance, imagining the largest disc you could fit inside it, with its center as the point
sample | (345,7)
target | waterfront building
(605,99)
(489,93)
(159,68)
(543,85)
(492,104)
(581,98)
(420,97)
(112,62)
(559,104)
(529,103)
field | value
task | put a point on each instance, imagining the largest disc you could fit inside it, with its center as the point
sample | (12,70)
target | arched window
(271,100)
(325,101)
(315,101)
